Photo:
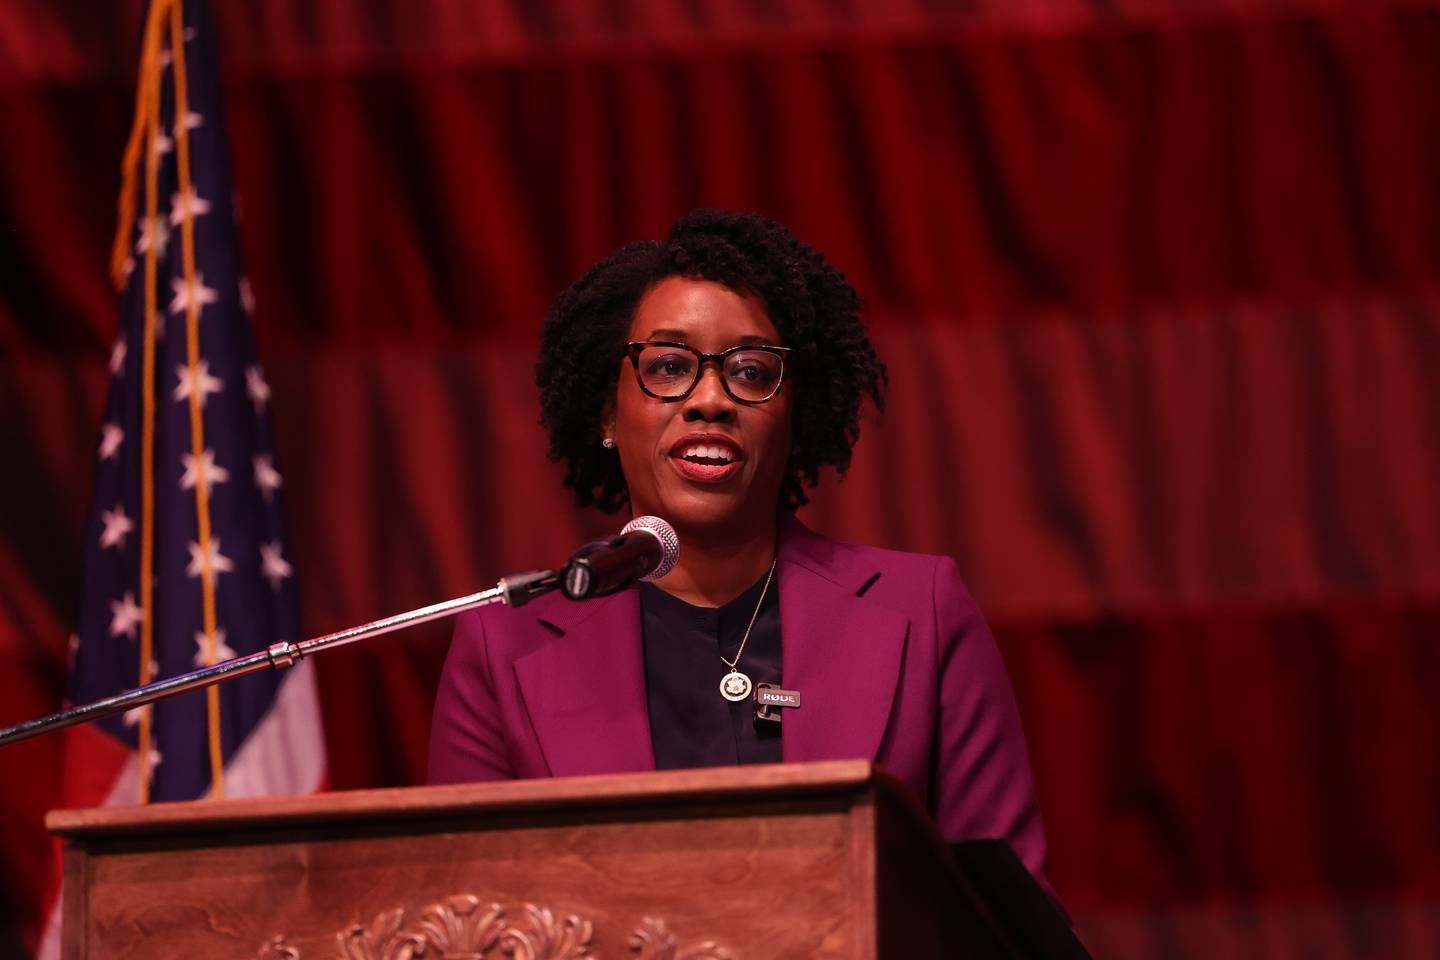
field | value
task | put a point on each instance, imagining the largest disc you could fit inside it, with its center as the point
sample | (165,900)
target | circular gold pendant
(735,686)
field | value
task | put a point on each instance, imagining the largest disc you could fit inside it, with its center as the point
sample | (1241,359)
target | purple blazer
(892,658)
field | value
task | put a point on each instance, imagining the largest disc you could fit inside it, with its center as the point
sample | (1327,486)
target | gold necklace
(736,686)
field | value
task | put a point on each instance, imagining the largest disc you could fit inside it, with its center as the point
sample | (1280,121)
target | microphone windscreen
(669,543)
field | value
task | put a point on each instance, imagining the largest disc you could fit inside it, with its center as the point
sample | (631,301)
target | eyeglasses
(669,371)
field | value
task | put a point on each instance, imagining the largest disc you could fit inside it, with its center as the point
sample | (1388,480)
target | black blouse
(691,724)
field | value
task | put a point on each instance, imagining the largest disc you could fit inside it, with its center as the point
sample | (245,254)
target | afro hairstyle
(832,370)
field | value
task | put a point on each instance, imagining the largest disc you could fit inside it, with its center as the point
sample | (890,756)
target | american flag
(204,522)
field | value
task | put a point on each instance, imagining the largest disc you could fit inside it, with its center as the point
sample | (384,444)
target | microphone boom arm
(513,590)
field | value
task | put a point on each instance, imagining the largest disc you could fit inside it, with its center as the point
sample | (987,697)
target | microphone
(646,549)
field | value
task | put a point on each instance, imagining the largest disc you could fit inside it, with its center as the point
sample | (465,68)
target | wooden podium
(786,861)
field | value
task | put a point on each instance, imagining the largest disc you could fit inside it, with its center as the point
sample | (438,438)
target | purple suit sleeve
(984,787)
(466,742)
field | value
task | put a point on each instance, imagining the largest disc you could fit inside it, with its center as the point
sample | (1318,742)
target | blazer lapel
(585,692)
(840,652)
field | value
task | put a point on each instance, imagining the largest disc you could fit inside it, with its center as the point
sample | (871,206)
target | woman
(707,379)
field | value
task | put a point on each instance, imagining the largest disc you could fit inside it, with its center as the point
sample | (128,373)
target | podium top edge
(765,782)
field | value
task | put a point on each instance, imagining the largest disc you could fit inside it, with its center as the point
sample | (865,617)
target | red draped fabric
(1158,285)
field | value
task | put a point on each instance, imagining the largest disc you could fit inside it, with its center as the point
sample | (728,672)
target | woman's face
(663,445)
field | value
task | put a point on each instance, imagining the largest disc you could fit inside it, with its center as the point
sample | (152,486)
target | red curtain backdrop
(1158,285)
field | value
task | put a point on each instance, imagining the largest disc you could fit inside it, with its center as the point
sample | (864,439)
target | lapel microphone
(646,549)
(770,699)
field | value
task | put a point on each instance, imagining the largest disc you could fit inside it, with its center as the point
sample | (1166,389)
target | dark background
(1156,282)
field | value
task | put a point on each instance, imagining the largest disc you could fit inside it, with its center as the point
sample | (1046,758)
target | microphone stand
(514,590)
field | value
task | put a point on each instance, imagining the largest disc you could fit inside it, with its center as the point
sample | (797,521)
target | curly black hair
(834,366)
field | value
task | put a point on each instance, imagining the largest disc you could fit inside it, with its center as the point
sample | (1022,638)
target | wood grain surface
(608,790)
(767,862)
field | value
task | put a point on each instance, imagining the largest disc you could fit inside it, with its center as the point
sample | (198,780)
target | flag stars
(273,565)
(117,526)
(193,291)
(111,436)
(190,121)
(223,650)
(133,716)
(219,563)
(125,615)
(204,467)
(189,204)
(256,386)
(153,232)
(201,383)
(166,56)
(117,352)
(267,478)
(247,296)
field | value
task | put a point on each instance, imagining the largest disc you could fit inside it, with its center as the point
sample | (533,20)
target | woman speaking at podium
(707,379)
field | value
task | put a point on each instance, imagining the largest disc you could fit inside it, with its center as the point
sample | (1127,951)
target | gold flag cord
(147,107)
(147,118)
(144,135)
(197,392)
